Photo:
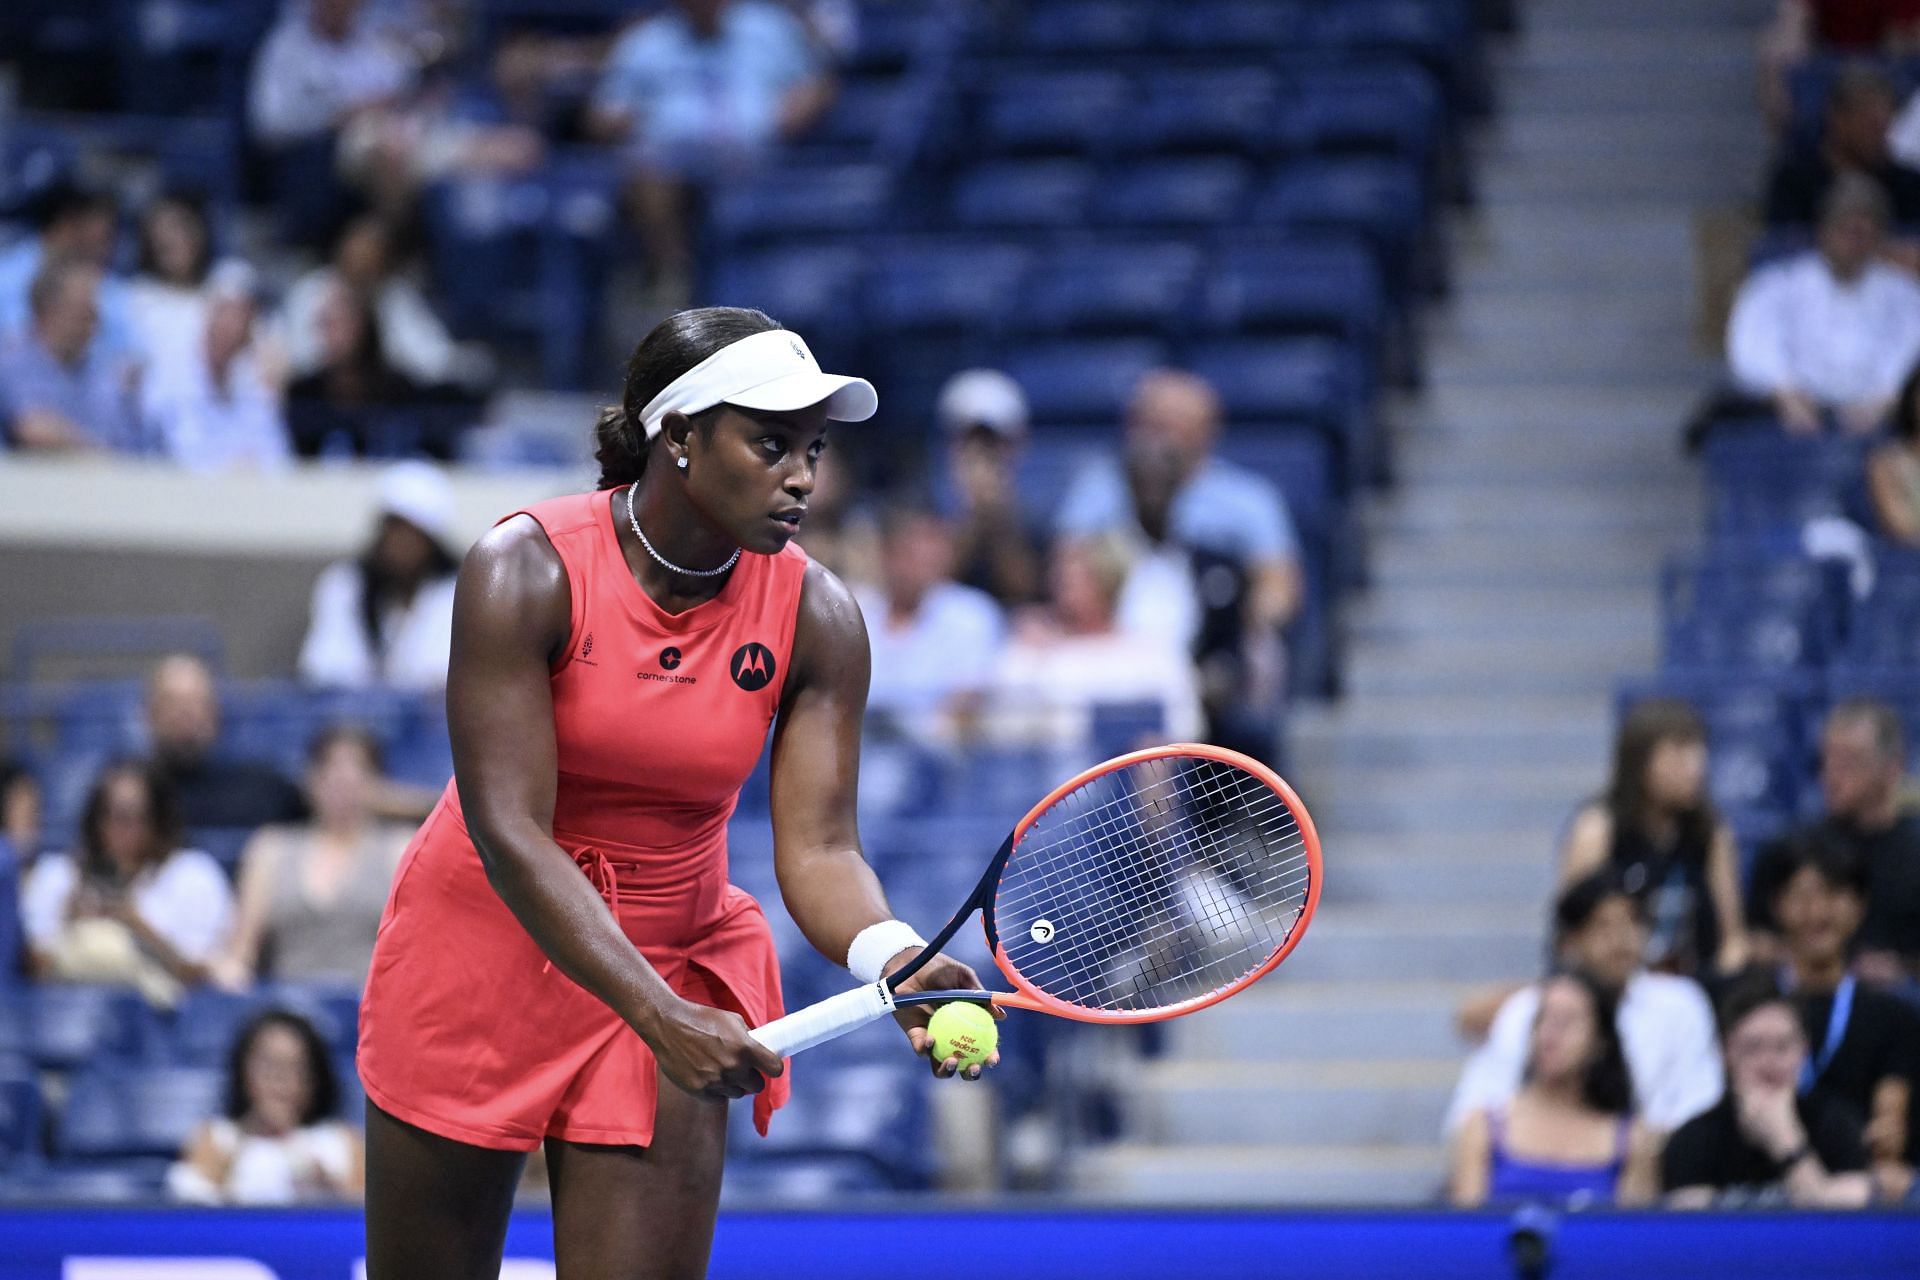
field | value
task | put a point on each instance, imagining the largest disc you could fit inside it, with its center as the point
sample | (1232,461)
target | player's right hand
(709,1052)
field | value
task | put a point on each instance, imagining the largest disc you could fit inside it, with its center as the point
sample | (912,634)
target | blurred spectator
(1893,469)
(1862,761)
(412,340)
(1656,826)
(392,151)
(215,408)
(999,550)
(167,300)
(320,67)
(311,895)
(22,812)
(58,389)
(935,643)
(386,619)
(1832,329)
(698,93)
(1197,512)
(1803,28)
(75,225)
(1853,139)
(1866,1042)
(135,907)
(280,1141)
(183,729)
(1765,1142)
(1569,1135)
(840,530)
(1665,1022)
(1073,656)
(354,401)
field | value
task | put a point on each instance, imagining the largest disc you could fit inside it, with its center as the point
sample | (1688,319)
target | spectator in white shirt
(320,64)
(413,340)
(1831,330)
(1666,1022)
(935,643)
(167,299)
(1073,656)
(134,907)
(215,409)
(386,619)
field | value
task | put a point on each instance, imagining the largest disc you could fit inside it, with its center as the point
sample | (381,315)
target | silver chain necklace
(665,563)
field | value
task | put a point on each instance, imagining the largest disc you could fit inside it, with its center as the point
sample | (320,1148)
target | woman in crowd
(167,300)
(1568,1135)
(386,619)
(1656,825)
(134,906)
(1893,469)
(280,1140)
(311,895)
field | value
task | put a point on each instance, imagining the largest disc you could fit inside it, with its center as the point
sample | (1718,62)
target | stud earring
(683,464)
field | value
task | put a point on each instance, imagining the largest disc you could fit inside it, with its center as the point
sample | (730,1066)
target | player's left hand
(942,973)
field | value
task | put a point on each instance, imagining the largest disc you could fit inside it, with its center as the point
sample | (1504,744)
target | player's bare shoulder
(829,635)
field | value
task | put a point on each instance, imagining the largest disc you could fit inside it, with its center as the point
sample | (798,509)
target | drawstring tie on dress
(598,869)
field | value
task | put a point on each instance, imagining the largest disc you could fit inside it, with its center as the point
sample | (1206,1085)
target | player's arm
(829,889)
(511,618)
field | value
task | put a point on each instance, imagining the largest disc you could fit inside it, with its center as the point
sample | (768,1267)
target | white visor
(771,371)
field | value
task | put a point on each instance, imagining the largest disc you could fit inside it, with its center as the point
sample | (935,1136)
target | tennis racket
(1148,887)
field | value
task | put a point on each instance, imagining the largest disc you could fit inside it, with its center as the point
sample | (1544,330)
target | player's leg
(435,1207)
(641,1213)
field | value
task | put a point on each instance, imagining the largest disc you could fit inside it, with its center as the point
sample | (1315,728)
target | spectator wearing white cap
(998,549)
(213,407)
(386,618)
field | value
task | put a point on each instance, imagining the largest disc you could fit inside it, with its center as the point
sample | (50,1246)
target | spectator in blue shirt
(700,92)
(74,223)
(60,391)
(1212,520)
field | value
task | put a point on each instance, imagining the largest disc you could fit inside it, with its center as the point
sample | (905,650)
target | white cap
(983,398)
(419,493)
(772,371)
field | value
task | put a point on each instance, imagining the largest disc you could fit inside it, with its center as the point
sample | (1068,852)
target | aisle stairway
(1514,571)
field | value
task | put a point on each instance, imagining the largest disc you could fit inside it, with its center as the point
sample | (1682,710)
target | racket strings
(1158,884)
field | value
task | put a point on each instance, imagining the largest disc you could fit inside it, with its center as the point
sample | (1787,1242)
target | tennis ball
(964,1031)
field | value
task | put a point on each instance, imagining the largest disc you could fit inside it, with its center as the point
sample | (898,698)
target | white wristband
(878,943)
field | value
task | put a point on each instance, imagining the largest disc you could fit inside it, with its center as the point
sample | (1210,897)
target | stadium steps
(1513,577)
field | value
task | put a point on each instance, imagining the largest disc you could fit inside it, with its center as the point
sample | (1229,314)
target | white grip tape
(827,1020)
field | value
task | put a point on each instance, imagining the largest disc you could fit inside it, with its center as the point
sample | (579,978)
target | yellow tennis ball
(964,1031)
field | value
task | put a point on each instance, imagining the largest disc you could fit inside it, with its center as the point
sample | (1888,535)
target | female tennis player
(561,937)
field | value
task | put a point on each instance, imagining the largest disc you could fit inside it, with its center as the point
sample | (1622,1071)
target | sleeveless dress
(466,1029)
(1515,1178)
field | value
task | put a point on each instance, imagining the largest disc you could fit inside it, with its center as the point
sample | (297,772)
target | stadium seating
(118,1111)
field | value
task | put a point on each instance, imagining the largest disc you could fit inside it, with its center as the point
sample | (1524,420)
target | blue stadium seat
(945,287)
(1237,112)
(139,1111)
(130,1182)
(1087,381)
(1325,285)
(1066,113)
(1381,199)
(1382,108)
(840,199)
(65,1025)
(883,119)
(1024,194)
(202,1031)
(1112,288)
(1285,379)
(891,38)
(1761,481)
(22,1117)
(1087,28)
(1230,27)
(1434,31)
(1201,191)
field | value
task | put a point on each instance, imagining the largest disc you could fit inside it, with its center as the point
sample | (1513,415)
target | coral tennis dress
(466,1030)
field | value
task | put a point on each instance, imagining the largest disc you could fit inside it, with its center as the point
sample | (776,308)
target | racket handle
(828,1020)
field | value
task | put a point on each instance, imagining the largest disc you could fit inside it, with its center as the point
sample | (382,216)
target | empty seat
(144,1111)
(1383,108)
(1024,194)
(1238,27)
(945,287)
(1325,285)
(1211,111)
(1084,28)
(1119,287)
(1069,113)
(1381,199)
(203,1030)
(64,1025)
(1201,191)
(1086,381)
(797,202)
(1297,379)
(813,289)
